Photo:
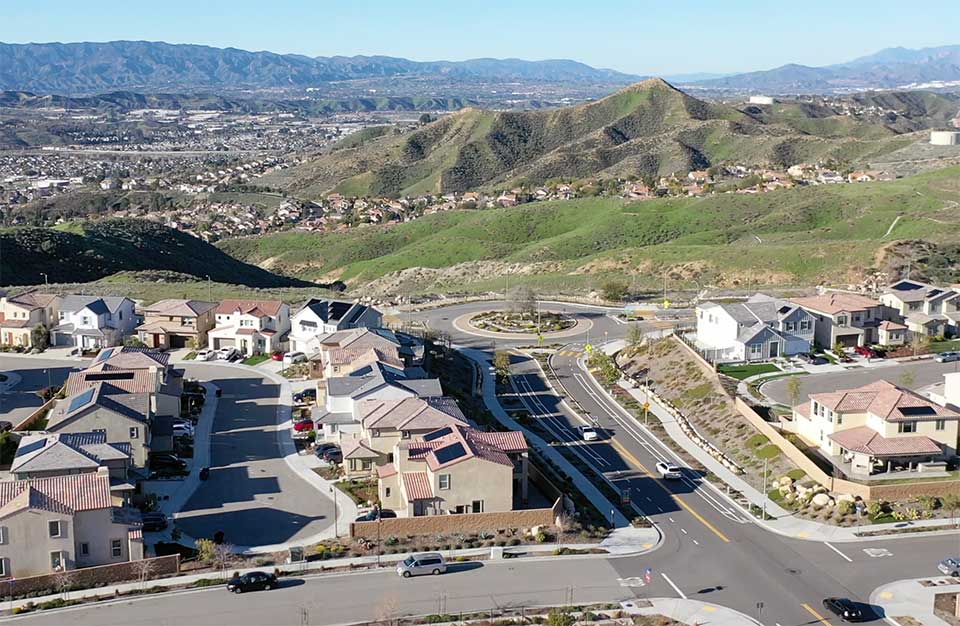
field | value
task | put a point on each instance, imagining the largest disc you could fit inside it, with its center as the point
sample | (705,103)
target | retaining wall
(457,524)
(91,577)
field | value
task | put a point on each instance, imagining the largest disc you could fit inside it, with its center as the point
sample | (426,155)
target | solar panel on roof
(917,410)
(31,447)
(443,432)
(81,399)
(95,376)
(449,453)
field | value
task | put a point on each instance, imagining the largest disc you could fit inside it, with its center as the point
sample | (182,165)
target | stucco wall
(92,576)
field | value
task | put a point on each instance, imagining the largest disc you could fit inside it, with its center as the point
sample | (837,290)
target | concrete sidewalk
(688,611)
(909,598)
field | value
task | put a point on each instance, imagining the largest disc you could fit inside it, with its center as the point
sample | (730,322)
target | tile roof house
(93,322)
(175,323)
(64,522)
(318,318)
(926,310)
(455,469)
(876,427)
(55,454)
(19,314)
(759,328)
(135,370)
(845,318)
(250,326)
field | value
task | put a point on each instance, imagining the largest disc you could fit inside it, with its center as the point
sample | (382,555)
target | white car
(588,433)
(179,430)
(205,355)
(226,353)
(669,471)
(294,357)
(947,357)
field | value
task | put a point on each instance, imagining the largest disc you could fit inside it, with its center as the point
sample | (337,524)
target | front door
(774,349)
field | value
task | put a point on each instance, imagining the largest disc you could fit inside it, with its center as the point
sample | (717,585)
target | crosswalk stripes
(570,353)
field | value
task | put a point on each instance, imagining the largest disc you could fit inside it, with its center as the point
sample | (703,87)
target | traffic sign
(648,575)
(666,303)
(588,348)
(646,406)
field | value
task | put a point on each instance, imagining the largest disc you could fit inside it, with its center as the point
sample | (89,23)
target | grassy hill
(83,252)
(649,128)
(827,233)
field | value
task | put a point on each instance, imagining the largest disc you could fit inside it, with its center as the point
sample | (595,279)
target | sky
(640,37)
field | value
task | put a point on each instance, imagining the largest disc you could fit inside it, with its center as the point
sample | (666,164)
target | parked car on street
(254,581)
(947,357)
(166,460)
(812,359)
(844,609)
(206,354)
(303,426)
(420,564)
(950,567)
(588,433)
(669,471)
(294,357)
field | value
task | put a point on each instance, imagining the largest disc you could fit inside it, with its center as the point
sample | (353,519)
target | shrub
(929,503)
(844,507)
(559,617)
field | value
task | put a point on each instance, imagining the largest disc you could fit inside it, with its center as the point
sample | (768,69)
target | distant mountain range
(84,68)
(891,68)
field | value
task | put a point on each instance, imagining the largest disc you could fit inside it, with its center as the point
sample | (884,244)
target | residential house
(927,310)
(760,328)
(135,370)
(344,351)
(829,177)
(62,523)
(93,322)
(21,313)
(876,428)
(125,418)
(891,333)
(318,318)
(454,470)
(251,326)
(175,323)
(845,318)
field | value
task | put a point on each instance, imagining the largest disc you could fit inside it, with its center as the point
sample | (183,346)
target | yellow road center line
(819,617)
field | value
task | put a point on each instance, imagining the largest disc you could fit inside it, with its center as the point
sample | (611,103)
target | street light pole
(379,519)
(336,530)
(46,279)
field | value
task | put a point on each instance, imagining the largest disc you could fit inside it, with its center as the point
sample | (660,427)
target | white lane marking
(696,543)
(877,552)
(832,547)
(683,530)
(671,519)
(634,581)
(675,588)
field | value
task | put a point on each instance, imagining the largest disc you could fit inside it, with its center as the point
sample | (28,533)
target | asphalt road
(252,495)
(924,373)
(36,374)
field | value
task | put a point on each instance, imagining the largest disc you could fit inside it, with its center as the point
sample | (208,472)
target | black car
(204,473)
(375,514)
(305,395)
(154,521)
(812,359)
(5,426)
(333,456)
(254,581)
(323,448)
(844,609)
(166,460)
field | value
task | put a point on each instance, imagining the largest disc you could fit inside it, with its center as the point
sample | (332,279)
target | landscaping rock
(821,500)
(786,480)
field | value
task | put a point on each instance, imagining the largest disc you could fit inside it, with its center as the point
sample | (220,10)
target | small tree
(132,341)
(206,550)
(793,390)
(635,335)
(560,617)
(501,363)
(144,568)
(613,290)
(524,301)
(40,337)
(918,342)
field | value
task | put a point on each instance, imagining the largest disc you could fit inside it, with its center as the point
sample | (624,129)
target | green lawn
(256,359)
(944,346)
(741,372)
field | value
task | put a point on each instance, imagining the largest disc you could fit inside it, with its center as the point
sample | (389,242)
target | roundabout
(499,324)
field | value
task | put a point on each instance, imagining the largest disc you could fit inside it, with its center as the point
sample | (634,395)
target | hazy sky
(641,37)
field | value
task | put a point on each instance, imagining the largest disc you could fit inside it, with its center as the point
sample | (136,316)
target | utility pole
(763,492)
(379,519)
(336,531)
(46,279)
(209,289)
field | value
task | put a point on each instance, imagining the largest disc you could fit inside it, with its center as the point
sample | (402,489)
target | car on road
(844,609)
(303,426)
(421,564)
(294,357)
(227,353)
(812,359)
(154,521)
(947,357)
(669,471)
(376,513)
(206,354)
(254,581)
(950,567)
(588,433)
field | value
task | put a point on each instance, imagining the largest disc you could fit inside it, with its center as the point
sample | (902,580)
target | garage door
(224,343)
(178,341)
(849,341)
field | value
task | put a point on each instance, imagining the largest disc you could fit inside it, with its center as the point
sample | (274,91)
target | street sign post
(648,575)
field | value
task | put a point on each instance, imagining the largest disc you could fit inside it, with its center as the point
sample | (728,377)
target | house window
(56,528)
(4,536)
(460,509)
(756,349)
(790,327)
(907,427)
(841,320)
(3,568)
(386,492)
(365,464)
(405,434)
(134,432)
(116,548)
(839,419)
(56,561)
(477,506)
(804,325)
(941,425)
(856,318)
(84,320)
(444,481)
(84,549)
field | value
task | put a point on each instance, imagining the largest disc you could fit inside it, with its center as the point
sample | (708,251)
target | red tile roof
(252,307)
(130,381)
(885,400)
(385,471)
(833,302)
(59,494)
(868,441)
(474,443)
(417,486)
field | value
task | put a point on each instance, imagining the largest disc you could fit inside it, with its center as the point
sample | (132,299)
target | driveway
(252,495)
(924,373)
(35,374)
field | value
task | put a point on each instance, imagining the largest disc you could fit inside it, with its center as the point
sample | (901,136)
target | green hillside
(646,129)
(802,235)
(84,252)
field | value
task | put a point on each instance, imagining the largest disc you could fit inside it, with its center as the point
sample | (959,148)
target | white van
(420,564)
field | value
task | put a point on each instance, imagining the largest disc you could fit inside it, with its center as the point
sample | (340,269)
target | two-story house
(62,523)
(844,318)
(760,328)
(344,351)
(93,322)
(926,310)
(134,370)
(21,313)
(876,428)
(174,323)
(250,326)
(318,317)
(455,469)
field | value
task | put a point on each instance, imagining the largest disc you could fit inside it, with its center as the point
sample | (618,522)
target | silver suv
(950,567)
(419,564)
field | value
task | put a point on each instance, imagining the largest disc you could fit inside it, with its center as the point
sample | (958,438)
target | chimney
(951,390)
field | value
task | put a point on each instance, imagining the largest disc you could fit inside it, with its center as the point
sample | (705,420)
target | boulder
(786,480)
(821,500)
(846,497)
